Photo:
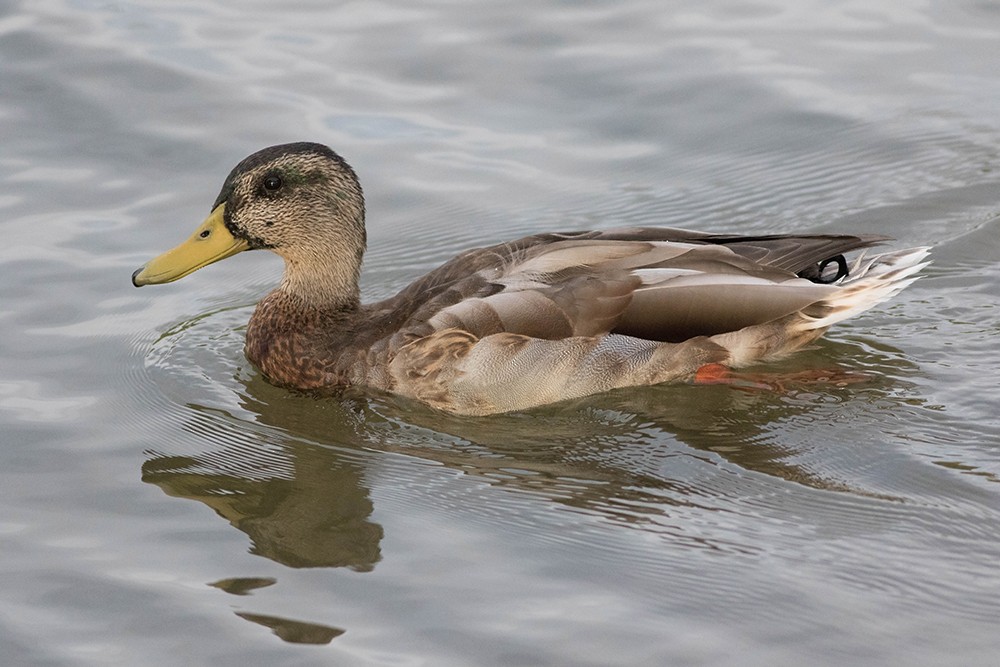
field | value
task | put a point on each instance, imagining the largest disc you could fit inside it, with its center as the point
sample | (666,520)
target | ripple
(668,525)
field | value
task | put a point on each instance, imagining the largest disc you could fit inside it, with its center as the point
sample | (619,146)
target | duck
(512,326)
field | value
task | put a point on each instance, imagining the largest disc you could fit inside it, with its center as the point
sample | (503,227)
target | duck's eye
(272,183)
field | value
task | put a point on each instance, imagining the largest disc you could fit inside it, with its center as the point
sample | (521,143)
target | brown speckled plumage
(540,319)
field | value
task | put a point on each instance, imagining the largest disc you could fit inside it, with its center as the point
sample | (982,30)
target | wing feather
(655,283)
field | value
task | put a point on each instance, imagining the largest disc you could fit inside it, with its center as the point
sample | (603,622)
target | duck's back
(654,283)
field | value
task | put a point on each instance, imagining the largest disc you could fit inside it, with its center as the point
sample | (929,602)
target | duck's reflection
(301,504)
(298,486)
(294,632)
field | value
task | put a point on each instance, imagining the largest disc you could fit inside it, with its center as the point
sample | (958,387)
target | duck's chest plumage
(299,347)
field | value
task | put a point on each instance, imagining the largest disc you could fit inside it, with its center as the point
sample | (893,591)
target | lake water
(163,505)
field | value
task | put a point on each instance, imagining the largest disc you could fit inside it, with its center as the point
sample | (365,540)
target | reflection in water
(294,632)
(315,514)
(243,585)
(291,472)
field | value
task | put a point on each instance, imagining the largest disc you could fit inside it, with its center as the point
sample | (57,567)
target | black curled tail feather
(816,272)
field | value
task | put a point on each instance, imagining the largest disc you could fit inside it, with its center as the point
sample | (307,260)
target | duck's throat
(321,285)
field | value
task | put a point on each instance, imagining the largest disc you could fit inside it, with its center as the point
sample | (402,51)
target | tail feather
(870,281)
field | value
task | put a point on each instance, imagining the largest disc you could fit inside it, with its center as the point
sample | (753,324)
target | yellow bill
(211,242)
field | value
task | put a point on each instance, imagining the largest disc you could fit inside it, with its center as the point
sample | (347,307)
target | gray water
(163,505)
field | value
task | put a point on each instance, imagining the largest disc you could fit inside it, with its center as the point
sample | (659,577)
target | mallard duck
(541,319)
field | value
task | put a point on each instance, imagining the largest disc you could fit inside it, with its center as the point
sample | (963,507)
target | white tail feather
(871,281)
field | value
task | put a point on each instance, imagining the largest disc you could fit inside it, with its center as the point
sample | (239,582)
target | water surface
(162,504)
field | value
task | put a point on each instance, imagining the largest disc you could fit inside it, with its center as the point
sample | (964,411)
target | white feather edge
(872,281)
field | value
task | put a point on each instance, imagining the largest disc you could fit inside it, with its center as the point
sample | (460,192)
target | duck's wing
(658,284)
(547,319)
(788,252)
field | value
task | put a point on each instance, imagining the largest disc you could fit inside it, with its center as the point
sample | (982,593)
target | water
(164,505)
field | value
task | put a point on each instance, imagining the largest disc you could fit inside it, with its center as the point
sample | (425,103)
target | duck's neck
(321,279)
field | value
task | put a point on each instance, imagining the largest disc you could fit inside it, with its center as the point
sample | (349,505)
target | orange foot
(719,374)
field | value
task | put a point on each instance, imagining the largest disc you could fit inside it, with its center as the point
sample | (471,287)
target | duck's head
(301,201)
